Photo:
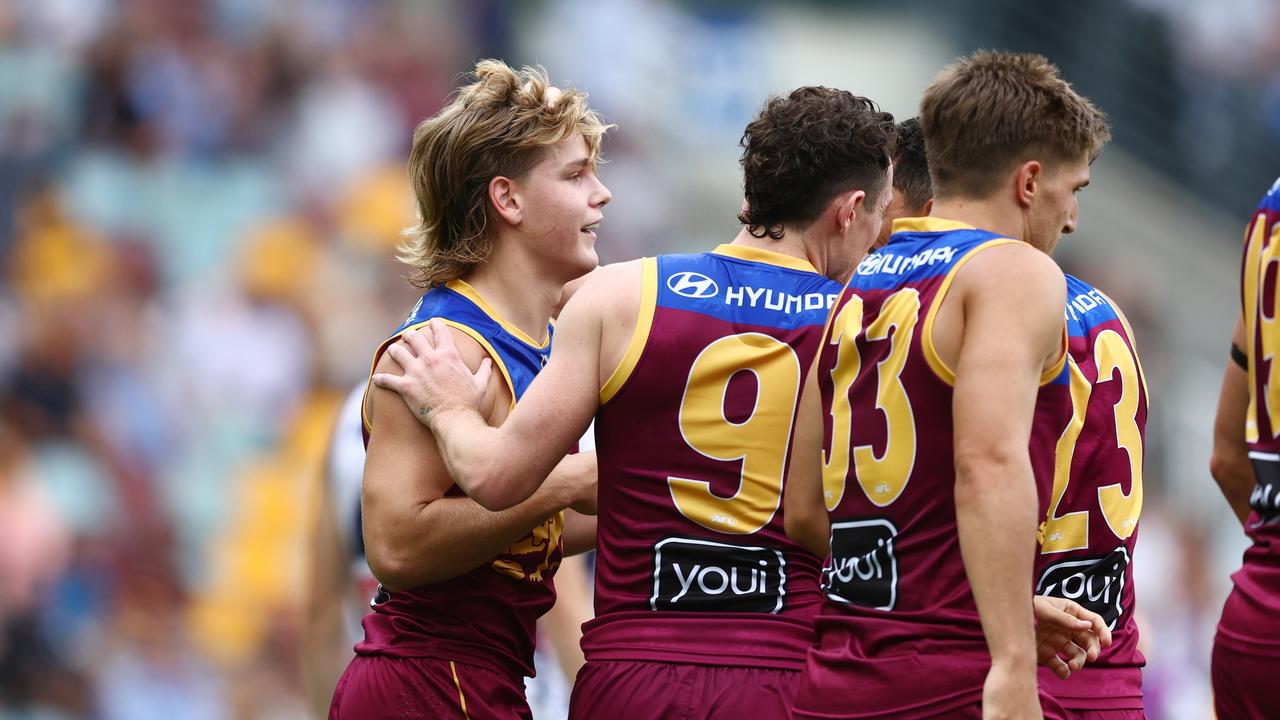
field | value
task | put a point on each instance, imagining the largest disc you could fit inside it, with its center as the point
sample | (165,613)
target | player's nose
(1070,225)
(602,196)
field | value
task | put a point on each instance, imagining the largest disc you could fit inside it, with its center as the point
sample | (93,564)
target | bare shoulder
(613,279)
(609,291)
(1013,268)
(571,288)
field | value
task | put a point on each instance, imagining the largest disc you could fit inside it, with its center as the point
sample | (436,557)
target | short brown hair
(803,150)
(496,126)
(989,112)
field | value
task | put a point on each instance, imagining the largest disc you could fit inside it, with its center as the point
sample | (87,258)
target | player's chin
(582,262)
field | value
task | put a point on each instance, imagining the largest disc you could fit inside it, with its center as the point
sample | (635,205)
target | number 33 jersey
(899,634)
(693,564)
(1091,526)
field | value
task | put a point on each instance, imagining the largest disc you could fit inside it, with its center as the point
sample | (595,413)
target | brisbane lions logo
(536,556)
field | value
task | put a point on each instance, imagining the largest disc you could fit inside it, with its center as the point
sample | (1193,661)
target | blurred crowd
(199,203)
(197,216)
(1192,88)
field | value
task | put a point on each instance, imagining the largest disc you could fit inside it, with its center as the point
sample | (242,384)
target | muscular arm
(1012,301)
(804,510)
(413,533)
(502,466)
(1230,464)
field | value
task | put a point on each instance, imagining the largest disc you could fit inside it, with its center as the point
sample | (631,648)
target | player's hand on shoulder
(435,377)
(1068,636)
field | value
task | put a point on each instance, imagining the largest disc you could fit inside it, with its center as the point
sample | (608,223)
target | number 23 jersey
(1091,526)
(693,564)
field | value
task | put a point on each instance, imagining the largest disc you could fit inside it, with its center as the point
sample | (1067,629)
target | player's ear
(848,206)
(1027,181)
(505,201)
(928,208)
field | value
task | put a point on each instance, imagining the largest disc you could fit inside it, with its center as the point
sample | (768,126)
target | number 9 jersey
(692,435)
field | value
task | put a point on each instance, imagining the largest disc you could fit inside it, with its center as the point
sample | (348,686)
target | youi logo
(701,575)
(692,285)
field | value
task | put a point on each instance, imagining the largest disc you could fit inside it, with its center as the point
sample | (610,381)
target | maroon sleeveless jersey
(693,564)
(899,633)
(1251,620)
(487,616)
(1091,526)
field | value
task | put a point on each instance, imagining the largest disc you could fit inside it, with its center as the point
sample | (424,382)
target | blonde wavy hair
(496,126)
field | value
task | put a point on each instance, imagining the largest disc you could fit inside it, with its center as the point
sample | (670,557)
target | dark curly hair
(806,148)
(910,166)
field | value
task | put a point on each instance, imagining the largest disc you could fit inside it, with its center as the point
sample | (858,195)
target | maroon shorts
(1116,714)
(1050,707)
(377,687)
(1243,684)
(635,690)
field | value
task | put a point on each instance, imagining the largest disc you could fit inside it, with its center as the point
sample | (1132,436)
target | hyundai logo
(692,285)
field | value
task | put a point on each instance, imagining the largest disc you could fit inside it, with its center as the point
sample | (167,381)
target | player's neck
(791,244)
(524,299)
(982,214)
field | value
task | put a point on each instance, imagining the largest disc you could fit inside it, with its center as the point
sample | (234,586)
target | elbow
(1220,467)
(990,467)
(1230,468)
(490,487)
(396,565)
(490,498)
(808,530)
(391,570)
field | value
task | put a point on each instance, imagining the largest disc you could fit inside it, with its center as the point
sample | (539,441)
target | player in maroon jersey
(508,197)
(704,606)
(1246,464)
(937,356)
(1090,530)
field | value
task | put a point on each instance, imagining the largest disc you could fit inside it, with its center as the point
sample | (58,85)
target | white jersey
(344,472)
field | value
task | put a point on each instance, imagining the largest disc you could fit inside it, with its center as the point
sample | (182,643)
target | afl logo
(692,285)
